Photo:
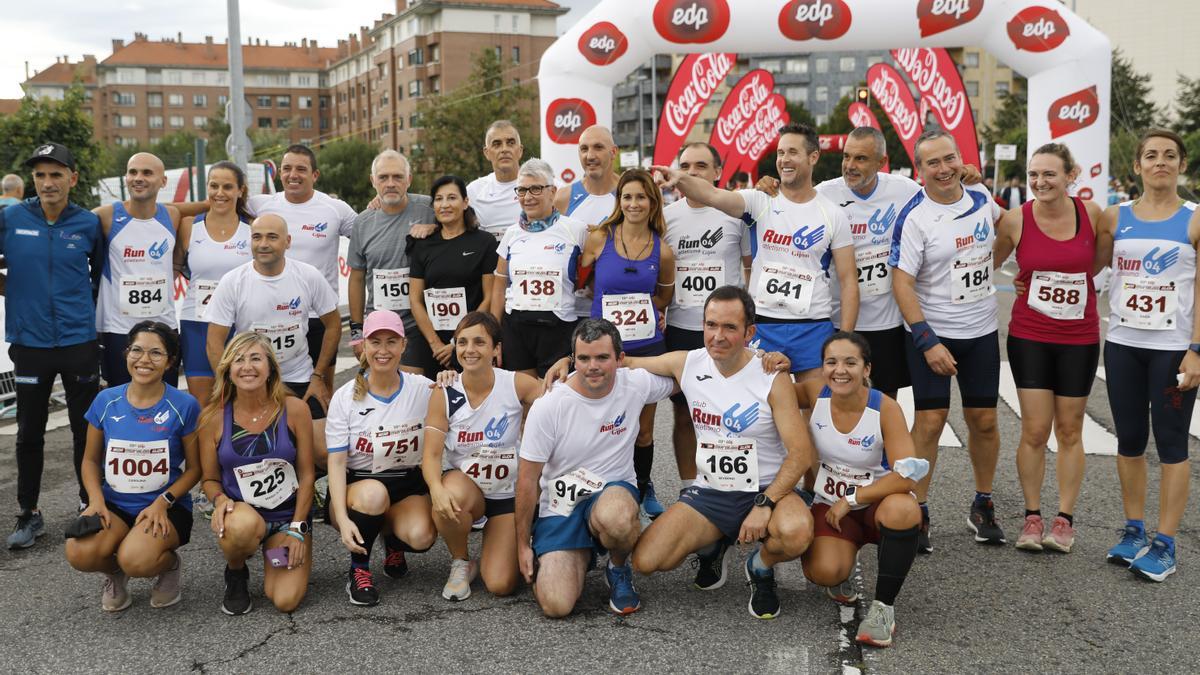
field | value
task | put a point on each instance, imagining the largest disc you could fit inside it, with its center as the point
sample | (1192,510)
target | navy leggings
(1137,379)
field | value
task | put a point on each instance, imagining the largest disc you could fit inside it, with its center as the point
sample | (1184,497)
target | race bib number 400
(569,489)
(493,469)
(268,483)
(1147,303)
(143,297)
(631,313)
(135,467)
(446,306)
(695,280)
(1058,295)
(391,289)
(785,287)
(728,464)
(536,288)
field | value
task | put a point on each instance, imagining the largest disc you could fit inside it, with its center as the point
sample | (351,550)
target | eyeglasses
(535,190)
(156,355)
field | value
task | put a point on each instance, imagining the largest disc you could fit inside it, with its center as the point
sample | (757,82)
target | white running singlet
(708,246)
(495,203)
(208,260)
(315,227)
(138,282)
(853,458)
(382,437)
(482,441)
(542,267)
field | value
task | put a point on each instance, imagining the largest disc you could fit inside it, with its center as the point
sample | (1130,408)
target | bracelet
(319,376)
(293,533)
(923,337)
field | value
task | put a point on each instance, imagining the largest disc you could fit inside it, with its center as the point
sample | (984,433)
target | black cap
(53,152)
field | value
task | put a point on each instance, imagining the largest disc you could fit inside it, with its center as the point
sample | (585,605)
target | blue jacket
(53,274)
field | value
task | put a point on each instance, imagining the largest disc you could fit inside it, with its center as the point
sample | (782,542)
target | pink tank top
(1040,253)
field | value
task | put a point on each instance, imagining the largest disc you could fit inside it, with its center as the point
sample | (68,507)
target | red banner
(741,105)
(891,90)
(698,77)
(936,76)
(759,137)
(861,116)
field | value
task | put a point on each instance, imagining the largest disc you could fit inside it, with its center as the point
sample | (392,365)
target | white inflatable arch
(1066,60)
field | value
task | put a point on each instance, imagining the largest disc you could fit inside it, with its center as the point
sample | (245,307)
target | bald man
(138,283)
(12,190)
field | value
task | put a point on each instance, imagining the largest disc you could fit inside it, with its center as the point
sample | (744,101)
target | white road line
(905,398)
(1193,428)
(1096,439)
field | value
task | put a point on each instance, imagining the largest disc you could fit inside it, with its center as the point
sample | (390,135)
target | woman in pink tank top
(1053,337)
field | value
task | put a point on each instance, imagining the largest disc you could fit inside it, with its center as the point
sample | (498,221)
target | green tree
(838,122)
(1132,108)
(1009,127)
(453,124)
(1187,105)
(41,120)
(345,166)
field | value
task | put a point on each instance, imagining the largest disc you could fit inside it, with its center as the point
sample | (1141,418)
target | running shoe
(321,499)
(650,504)
(1156,563)
(1133,542)
(479,524)
(845,593)
(923,543)
(237,594)
(167,589)
(200,503)
(462,573)
(114,595)
(1031,533)
(1061,536)
(982,521)
(394,563)
(29,527)
(878,628)
(764,601)
(712,566)
(622,596)
(361,587)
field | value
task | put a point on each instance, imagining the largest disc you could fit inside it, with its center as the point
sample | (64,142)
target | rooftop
(209,54)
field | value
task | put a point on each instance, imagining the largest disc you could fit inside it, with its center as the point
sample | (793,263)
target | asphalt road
(965,608)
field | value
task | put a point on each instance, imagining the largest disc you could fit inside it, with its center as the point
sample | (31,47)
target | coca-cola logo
(938,16)
(749,99)
(708,72)
(566,118)
(861,116)
(896,101)
(949,102)
(820,19)
(603,43)
(1037,29)
(691,21)
(1073,112)
(752,140)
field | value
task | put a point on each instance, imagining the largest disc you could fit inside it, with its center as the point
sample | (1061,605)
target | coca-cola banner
(890,89)
(740,107)
(936,76)
(1066,61)
(758,136)
(697,78)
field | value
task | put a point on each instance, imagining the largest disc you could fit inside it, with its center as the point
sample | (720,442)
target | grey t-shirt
(378,242)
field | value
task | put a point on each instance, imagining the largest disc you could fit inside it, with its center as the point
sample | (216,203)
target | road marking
(1096,439)
(790,660)
(905,398)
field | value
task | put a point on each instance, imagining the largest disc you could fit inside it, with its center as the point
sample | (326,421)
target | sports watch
(299,526)
(761,499)
(850,495)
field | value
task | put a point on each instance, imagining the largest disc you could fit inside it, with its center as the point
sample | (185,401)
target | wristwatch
(168,497)
(850,496)
(299,526)
(761,499)
(1195,347)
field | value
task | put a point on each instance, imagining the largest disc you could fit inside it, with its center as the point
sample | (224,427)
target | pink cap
(383,319)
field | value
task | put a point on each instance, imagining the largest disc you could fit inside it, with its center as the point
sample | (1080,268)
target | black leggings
(1137,379)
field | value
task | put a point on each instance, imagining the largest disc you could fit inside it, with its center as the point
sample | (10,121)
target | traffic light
(863,95)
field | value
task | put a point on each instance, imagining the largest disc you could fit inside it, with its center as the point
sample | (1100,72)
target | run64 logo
(566,118)
(691,21)
(820,19)
(1037,29)
(1074,112)
(603,43)
(939,16)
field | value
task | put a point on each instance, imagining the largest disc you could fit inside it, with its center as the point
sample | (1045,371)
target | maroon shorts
(858,526)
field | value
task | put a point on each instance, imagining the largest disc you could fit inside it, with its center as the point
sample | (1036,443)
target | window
(847,64)
(200,121)
(872,60)
(384,128)
(414,121)
(263,102)
(126,76)
(304,102)
(796,94)
(127,142)
(223,100)
(175,100)
(197,78)
(971,59)
(498,52)
(154,100)
(435,53)
(124,98)
(304,80)
(264,123)
(822,65)
(176,121)
(822,93)
(324,122)
(972,88)
(416,57)
(399,123)
(496,23)
(283,101)
(435,85)
(124,121)
(200,100)
(155,121)
(771,66)
(324,102)
(1002,88)
(516,52)
(414,89)
(174,77)
(283,123)
(796,66)
(845,91)
(515,24)
(305,122)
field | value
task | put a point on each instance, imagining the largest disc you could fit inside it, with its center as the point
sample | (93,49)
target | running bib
(536,288)
(695,280)
(492,469)
(287,338)
(631,313)
(134,467)
(1058,295)
(833,479)
(268,483)
(446,306)
(391,289)
(728,464)
(144,297)
(204,292)
(396,446)
(569,489)
(785,287)
(971,276)
(873,277)
(1147,303)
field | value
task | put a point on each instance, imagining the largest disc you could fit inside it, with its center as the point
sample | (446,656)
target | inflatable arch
(1066,60)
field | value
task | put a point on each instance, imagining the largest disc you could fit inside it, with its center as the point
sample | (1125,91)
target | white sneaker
(462,573)
(115,596)
(167,589)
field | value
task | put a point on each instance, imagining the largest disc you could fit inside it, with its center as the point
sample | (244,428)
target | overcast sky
(37,31)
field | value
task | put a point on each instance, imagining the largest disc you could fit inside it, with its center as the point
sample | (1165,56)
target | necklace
(261,412)
(631,269)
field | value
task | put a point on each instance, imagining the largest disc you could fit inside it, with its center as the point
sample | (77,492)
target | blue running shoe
(622,597)
(650,503)
(764,601)
(1133,541)
(1156,563)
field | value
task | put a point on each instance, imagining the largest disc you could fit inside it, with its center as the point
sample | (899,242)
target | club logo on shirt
(737,420)
(159,249)
(807,237)
(881,221)
(293,304)
(865,442)
(616,427)
(979,235)
(239,246)
(704,419)
(1156,263)
(557,248)
(317,230)
(709,239)
(496,427)
(162,417)
(156,251)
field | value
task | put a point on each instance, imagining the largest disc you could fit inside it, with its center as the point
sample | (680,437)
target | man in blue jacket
(53,249)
